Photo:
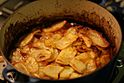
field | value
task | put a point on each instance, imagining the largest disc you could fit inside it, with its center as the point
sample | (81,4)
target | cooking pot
(45,12)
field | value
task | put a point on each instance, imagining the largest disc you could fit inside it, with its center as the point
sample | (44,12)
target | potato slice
(26,40)
(55,27)
(97,38)
(16,56)
(25,49)
(84,57)
(52,40)
(40,54)
(31,65)
(44,55)
(104,59)
(54,54)
(68,39)
(67,71)
(52,70)
(93,54)
(39,44)
(22,68)
(87,41)
(66,55)
(74,75)
(91,66)
(78,65)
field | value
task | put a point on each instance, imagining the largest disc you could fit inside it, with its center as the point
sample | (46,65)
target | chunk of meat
(31,65)
(55,27)
(66,55)
(97,38)
(67,71)
(75,75)
(22,68)
(78,65)
(68,39)
(52,70)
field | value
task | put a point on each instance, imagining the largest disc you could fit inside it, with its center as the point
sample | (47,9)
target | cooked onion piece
(66,55)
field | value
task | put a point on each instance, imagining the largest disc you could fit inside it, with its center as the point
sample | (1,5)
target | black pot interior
(38,14)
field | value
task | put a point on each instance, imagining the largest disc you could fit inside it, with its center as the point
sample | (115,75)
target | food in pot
(61,51)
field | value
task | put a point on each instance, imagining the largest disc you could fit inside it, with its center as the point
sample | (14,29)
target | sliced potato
(52,70)
(44,55)
(31,65)
(22,68)
(55,27)
(16,56)
(68,39)
(25,49)
(40,54)
(78,65)
(84,57)
(54,54)
(93,55)
(86,39)
(38,44)
(66,55)
(97,38)
(67,71)
(91,66)
(75,75)
(104,59)
(28,38)
(52,40)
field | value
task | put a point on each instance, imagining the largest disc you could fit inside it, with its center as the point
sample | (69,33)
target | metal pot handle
(9,74)
(120,66)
